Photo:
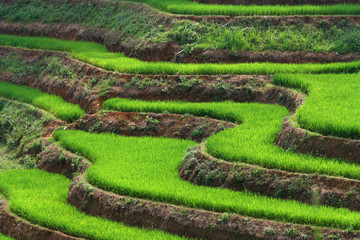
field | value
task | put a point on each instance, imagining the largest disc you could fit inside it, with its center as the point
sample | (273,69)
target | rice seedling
(98,55)
(41,197)
(194,8)
(332,105)
(2,237)
(148,167)
(55,104)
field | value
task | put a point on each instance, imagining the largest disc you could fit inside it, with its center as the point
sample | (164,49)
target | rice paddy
(98,55)
(148,167)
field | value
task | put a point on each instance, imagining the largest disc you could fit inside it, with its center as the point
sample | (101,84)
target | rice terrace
(179,119)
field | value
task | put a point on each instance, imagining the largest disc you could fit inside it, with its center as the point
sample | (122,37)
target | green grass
(194,8)
(2,237)
(332,107)
(148,168)
(55,104)
(41,197)
(98,55)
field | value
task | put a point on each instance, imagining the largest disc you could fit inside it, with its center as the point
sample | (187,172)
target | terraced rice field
(182,142)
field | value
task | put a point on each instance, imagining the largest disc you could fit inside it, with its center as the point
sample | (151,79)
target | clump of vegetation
(20,124)
(185,32)
(292,232)
(224,218)
(349,43)
(19,67)
(270,231)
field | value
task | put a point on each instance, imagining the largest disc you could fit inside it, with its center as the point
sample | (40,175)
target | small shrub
(224,218)
(270,231)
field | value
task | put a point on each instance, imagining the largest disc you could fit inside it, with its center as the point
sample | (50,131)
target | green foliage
(185,32)
(224,218)
(55,104)
(292,232)
(19,67)
(100,56)
(275,38)
(151,172)
(350,42)
(41,197)
(198,131)
(270,231)
(20,124)
(2,237)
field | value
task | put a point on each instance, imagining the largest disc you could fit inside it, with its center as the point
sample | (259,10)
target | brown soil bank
(202,169)
(279,2)
(299,140)
(17,228)
(150,124)
(168,51)
(203,88)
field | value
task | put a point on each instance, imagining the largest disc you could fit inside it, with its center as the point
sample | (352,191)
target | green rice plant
(332,105)
(194,8)
(41,197)
(98,55)
(147,167)
(55,104)
(2,237)
(252,141)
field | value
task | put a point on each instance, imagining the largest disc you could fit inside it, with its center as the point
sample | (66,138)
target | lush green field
(195,8)
(41,197)
(148,168)
(260,126)
(2,237)
(98,55)
(55,104)
(332,105)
